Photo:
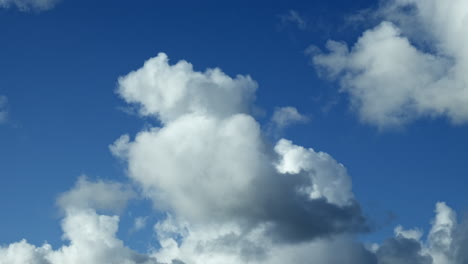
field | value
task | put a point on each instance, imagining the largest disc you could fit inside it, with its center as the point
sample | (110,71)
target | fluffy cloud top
(29,5)
(91,236)
(169,92)
(391,75)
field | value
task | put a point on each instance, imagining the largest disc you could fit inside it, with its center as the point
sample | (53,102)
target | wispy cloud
(293,17)
(29,5)
(3,109)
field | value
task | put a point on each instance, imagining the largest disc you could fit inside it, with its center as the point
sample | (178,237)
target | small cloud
(139,224)
(120,147)
(293,17)
(3,109)
(29,5)
(286,116)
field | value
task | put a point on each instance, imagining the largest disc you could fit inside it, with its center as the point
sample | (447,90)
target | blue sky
(59,72)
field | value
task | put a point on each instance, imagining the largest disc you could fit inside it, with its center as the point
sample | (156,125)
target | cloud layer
(411,66)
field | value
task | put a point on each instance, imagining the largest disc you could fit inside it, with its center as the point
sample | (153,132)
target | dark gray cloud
(400,250)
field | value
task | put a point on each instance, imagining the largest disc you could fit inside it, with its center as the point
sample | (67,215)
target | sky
(258,132)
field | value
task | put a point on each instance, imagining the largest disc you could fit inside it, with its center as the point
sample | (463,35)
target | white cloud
(286,116)
(99,195)
(3,109)
(169,92)
(120,147)
(329,178)
(91,236)
(232,196)
(391,79)
(29,5)
(415,234)
(140,223)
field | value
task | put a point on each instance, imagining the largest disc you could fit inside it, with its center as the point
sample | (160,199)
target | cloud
(91,236)
(3,109)
(286,116)
(169,92)
(227,194)
(445,243)
(401,250)
(293,17)
(140,223)
(99,195)
(230,194)
(409,67)
(29,5)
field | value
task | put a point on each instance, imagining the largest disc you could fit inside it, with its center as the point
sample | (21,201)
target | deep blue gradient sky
(59,70)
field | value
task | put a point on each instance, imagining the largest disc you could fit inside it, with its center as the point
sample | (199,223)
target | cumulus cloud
(401,250)
(411,66)
(286,116)
(445,243)
(29,5)
(170,92)
(230,192)
(3,109)
(91,237)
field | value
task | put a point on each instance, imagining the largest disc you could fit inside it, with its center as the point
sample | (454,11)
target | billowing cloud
(169,92)
(210,167)
(411,66)
(29,5)
(3,109)
(91,236)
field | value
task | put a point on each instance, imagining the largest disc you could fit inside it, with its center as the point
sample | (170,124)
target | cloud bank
(411,66)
